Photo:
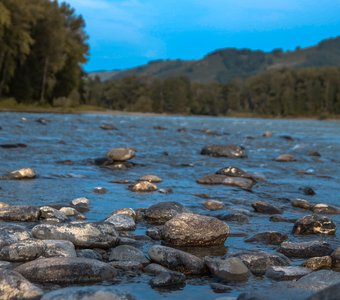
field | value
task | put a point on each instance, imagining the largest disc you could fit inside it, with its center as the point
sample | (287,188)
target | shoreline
(102,111)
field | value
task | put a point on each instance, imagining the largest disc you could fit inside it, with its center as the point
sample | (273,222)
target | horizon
(129,33)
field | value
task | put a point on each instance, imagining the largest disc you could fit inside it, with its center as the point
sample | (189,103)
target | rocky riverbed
(137,207)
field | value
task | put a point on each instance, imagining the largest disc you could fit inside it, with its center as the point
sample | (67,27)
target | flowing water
(169,147)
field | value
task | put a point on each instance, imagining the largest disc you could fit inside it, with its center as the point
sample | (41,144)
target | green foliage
(42,47)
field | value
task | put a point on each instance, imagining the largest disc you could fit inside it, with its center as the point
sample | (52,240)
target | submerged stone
(314,224)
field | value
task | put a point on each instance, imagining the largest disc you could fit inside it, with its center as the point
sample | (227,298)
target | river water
(169,146)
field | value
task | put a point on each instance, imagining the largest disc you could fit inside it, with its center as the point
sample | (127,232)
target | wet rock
(234,217)
(164,211)
(325,209)
(278,218)
(72,212)
(55,248)
(81,204)
(43,121)
(47,212)
(143,187)
(301,203)
(258,261)
(267,134)
(317,263)
(168,279)
(268,237)
(133,267)
(128,253)
(213,204)
(85,235)
(177,260)
(3,204)
(19,213)
(314,224)
(232,151)
(195,230)
(330,293)
(12,146)
(229,269)
(23,251)
(314,153)
(285,158)
(286,273)
(166,191)
(318,280)
(125,211)
(155,233)
(11,233)
(236,172)
(287,137)
(155,269)
(14,286)
(307,190)
(100,190)
(122,222)
(25,173)
(305,249)
(266,208)
(243,183)
(88,293)
(220,288)
(89,253)
(150,178)
(64,270)
(107,126)
(121,154)
(336,258)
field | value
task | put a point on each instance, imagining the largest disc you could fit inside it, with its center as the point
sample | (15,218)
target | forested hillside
(227,64)
(42,48)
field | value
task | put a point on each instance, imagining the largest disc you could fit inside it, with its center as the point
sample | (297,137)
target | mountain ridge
(226,64)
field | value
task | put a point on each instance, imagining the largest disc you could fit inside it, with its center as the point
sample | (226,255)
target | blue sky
(127,33)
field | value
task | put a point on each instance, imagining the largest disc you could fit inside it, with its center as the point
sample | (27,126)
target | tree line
(285,92)
(42,49)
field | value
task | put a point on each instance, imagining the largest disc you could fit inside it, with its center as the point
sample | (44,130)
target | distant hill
(226,64)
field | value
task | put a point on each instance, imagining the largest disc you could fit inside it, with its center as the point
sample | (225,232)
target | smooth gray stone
(128,266)
(88,293)
(231,151)
(268,237)
(228,269)
(128,253)
(89,253)
(168,279)
(23,250)
(12,233)
(162,212)
(84,235)
(66,270)
(330,293)
(155,269)
(177,260)
(122,222)
(266,208)
(14,286)
(19,213)
(286,273)
(121,154)
(47,212)
(55,248)
(305,249)
(195,230)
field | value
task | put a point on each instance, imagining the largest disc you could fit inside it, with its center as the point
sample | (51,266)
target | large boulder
(314,224)
(177,260)
(65,270)
(19,213)
(162,212)
(14,286)
(84,235)
(195,230)
(232,151)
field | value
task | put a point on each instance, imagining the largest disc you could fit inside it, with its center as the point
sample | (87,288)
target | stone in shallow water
(314,224)
(317,263)
(88,293)
(285,158)
(168,279)
(150,178)
(19,213)
(12,233)
(228,269)
(266,208)
(325,209)
(213,204)
(286,273)
(23,250)
(162,212)
(122,222)
(220,288)
(243,183)
(128,253)
(258,261)
(305,249)
(268,237)
(55,248)
(236,172)
(47,212)
(125,211)
(25,173)
(81,204)
(232,151)
(66,270)
(121,154)
(177,260)
(85,235)
(143,187)
(14,286)
(195,230)
(302,203)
